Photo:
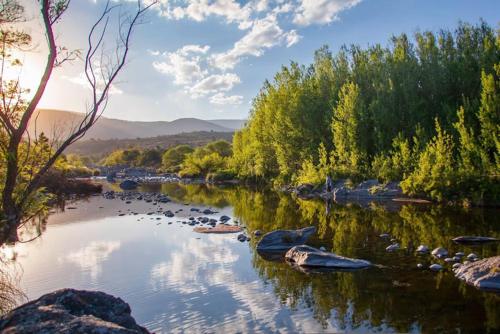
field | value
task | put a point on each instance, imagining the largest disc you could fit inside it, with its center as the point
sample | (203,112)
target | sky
(209,58)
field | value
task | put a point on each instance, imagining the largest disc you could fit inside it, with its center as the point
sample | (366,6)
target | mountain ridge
(54,122)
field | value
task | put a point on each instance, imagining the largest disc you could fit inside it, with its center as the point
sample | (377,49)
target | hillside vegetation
(101,148)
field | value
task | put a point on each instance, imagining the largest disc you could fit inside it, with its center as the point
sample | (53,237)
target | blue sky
(208,58)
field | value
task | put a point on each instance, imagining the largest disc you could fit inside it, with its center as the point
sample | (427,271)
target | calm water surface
(179,281)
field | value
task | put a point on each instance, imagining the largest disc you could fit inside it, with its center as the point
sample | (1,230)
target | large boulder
(129,185)
(283,240)
(306,256)
(483,274)
(72,311)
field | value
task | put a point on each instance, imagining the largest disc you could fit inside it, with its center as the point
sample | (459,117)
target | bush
(220,176)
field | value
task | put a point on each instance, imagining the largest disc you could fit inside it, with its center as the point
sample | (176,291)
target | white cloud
(199,10)
(214,83)
(321,11)
(292,38)
(183,64)
(265,34)
(222,99)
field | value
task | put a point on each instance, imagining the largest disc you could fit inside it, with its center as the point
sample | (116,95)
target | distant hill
(107,128)
(100,148)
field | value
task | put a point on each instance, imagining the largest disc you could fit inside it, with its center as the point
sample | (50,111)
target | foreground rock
(72,311)
(306,256)
(219,229)
(483,274)
(283,240)
(474,240)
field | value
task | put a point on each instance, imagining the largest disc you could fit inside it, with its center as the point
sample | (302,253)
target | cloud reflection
(92,257)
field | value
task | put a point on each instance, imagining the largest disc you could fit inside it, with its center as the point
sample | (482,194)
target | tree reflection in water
(394,294)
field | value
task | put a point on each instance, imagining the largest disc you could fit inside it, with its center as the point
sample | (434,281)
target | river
(177,280)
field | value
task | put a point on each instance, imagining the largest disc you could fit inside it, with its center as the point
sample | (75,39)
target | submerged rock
(241,237)
(283,240)
(311,257)
(72,311)
(483,274)
(473,240)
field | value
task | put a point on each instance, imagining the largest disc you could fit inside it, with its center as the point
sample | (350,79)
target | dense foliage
(425,112)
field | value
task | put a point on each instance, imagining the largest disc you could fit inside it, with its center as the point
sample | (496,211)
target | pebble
(435,267)
(423,249)
(392,247)
(472,257)
(440,252)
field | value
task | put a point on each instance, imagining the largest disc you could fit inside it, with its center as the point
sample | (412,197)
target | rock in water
(392,248)
(473,240)
(435,267)
(440,252)
(283,240)
(129,185)
(72,311)
(422,249)
(483,274)
(311,257)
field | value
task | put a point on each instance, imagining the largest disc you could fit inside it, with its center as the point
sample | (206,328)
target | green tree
(348,157)
(174,156)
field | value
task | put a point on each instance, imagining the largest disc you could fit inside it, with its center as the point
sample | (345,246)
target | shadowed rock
(474,240)
(483,274)
(72,311)
(129,185)
(283,240)
(306,256)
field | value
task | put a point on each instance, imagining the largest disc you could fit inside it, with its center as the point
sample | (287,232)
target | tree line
(424,111)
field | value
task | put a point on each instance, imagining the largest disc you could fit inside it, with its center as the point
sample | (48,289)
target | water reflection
(91,258)
(176,280)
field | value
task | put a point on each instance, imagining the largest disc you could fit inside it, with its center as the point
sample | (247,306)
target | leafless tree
(101,70)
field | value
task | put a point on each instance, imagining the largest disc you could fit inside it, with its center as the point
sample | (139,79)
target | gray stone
(436,267)
(483,274)
(456,265)
(241,237)
(283,240)
(311,257)
(392,248)
(422,249)
(224,218)
(472,257)
(420,265)
(440,252)
(72,311)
